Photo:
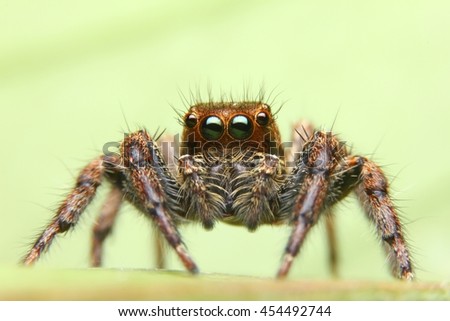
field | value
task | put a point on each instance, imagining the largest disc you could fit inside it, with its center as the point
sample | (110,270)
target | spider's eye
(190,120)
(240,127)
(262,118)
(212,128)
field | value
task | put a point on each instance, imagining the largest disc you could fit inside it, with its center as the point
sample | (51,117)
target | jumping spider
(233,169)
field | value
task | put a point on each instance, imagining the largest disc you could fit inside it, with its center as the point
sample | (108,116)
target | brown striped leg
(148,181)
(155,207)
(70,210)
(104,223)
(312,175)
(169,146)
(374,196)
(301,133)
(306,211)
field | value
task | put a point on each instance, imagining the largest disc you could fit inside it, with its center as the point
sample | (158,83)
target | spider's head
(225,126)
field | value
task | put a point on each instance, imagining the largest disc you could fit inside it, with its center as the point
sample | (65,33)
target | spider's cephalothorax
(232,168)
(230,160)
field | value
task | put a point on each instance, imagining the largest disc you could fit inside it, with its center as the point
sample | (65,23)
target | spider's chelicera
(231,167)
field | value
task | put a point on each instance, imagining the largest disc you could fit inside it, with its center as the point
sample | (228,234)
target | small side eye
(190,120)
(262,118)
(212,128)
(240,127)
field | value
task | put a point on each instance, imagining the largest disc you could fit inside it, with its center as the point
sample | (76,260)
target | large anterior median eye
(240,127)
(212,128)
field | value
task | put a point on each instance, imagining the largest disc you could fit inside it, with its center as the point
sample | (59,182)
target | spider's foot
(187,261)
(408,276)
(285,266)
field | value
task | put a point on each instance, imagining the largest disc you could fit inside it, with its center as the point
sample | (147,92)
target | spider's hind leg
(104,224)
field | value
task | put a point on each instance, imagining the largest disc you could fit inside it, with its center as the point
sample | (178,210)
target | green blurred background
(381,69)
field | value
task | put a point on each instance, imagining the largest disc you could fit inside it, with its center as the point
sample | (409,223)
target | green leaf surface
(104,284)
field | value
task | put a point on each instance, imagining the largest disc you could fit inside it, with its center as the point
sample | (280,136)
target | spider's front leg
(108,215)
(149,185)
(303,131)
(304,195)
(325,174)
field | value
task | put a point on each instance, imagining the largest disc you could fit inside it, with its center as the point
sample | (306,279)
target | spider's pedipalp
(201,194)
(255,190)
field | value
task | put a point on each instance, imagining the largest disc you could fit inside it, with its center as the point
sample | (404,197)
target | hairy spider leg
(70,210)
(325,174)
(302,131)
(147,183)
(105,221)
(308,188)
(373,194)
(142,177)
(169,146)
